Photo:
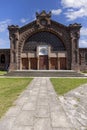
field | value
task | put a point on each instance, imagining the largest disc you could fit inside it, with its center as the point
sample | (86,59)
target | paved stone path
(38,108)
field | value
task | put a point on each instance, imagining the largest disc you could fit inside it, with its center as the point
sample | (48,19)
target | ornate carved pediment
(13,27)
(75,25)
(43,19)
(13,32)
(75,30)
(43,14)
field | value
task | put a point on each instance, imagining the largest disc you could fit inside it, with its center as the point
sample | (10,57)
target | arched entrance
(44,51)
(43,57)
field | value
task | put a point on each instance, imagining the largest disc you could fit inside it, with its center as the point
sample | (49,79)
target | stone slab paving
(75,106)
(37,108)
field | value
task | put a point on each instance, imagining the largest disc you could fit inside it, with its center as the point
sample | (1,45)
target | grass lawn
(63,85)
(3,72)
(84,71)
(10,89)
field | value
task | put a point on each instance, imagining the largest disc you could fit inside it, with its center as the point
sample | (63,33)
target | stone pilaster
(14,37)
(75,34)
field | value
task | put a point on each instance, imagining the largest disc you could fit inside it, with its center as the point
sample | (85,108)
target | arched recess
(28,34)
(31,32)
(2,59)
(43,38)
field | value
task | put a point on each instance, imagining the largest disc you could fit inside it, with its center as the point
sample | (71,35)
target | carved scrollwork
(75,35)
(14,37)
(43,19)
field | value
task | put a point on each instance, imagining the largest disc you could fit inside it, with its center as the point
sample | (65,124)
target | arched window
(86,58)
(2,58)
(41,39)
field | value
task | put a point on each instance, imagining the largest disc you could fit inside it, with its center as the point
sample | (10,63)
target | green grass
(3,72)
(64,85)
(10,89)
(84,71)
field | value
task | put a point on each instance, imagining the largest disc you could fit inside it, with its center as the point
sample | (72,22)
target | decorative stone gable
(14,38)
(43,19)
(75,30)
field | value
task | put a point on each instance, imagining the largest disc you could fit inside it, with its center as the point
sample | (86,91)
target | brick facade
(45,42)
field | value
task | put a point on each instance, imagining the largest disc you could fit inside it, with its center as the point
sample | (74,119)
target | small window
(43,22)
(2,58)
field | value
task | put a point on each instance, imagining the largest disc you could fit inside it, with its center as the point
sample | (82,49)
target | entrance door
(24,63)
(33,62)
(63,63)
(43,62)
(53,62)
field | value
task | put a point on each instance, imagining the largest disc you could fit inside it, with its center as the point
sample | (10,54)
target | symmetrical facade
(45,45)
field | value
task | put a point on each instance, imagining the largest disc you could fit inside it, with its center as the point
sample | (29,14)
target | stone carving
(43,19)
(75,30)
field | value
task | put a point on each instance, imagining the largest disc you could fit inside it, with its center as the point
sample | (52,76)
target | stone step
(45,73)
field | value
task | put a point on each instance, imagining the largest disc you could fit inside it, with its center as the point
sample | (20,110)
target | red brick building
(44,44)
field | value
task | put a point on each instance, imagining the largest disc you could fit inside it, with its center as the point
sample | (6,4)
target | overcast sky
(21,12)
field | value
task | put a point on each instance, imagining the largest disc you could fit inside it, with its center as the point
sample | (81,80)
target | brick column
(75,54)
(11,66)
(75,34)
(16,49)
(14,37)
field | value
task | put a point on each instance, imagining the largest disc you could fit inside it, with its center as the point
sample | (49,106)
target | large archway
(43,49)
(43,38)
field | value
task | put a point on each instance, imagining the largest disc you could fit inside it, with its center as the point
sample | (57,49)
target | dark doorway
(43,62)
(24,63)
(53,62)
(63,63)
(33,63)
